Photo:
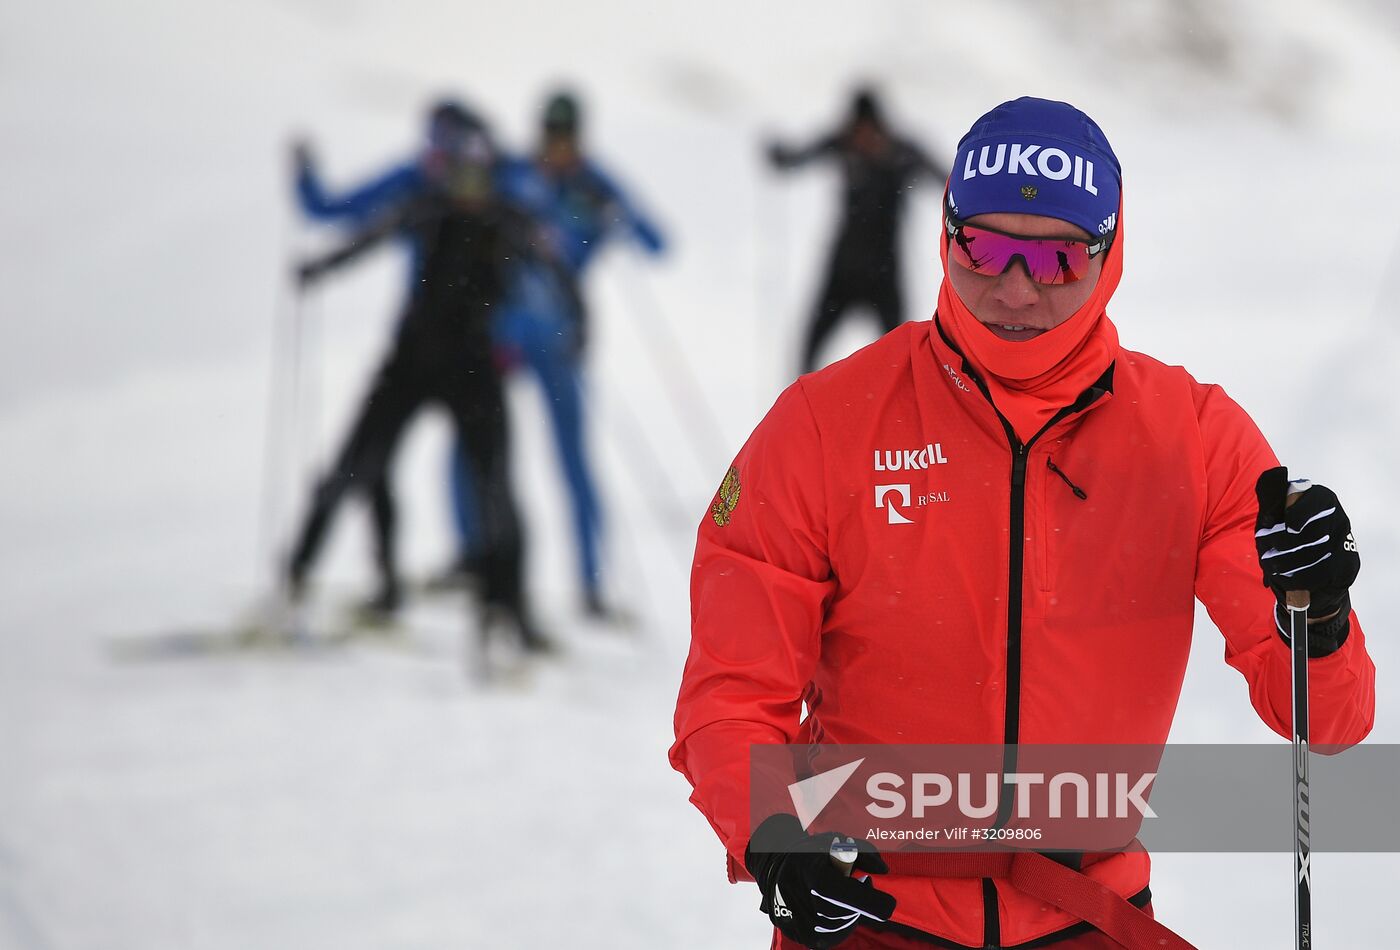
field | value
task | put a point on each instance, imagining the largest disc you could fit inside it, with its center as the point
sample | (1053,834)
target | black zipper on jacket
(991,937)
(1020,451)
(1078,492)
(1011,729)
(1011,732)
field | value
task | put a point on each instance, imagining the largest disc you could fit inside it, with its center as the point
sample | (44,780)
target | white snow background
(370,798)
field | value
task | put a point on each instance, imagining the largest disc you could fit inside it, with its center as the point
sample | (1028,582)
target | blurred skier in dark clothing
(543,323)
(467,240)
(879,167)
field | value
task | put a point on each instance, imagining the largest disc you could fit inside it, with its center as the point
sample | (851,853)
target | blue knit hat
(1037,156)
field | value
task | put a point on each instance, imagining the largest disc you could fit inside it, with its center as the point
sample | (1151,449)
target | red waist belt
(1050,881)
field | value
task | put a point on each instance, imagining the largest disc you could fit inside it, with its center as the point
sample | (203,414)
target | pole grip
(1295,599)
(843,854)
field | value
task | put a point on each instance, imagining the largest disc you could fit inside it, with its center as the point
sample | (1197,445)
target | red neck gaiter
(1031,380)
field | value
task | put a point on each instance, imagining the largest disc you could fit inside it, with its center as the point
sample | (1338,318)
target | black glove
(1307,546)
(806,895)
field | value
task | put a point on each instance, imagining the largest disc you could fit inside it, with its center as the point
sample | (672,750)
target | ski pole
(770,280)
(282,379)
(678,378)
(1297,603)
(1302,850)
(638,454)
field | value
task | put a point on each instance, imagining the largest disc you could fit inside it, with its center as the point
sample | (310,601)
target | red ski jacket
(886,552)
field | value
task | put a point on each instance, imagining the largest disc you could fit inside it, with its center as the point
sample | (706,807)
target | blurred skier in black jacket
(468,239)
(879,167)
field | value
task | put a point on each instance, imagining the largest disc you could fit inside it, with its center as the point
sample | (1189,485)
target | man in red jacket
(990,528)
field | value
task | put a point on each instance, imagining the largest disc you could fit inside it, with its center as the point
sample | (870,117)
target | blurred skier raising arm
(878,167)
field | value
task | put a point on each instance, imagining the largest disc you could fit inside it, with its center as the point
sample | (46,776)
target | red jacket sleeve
(760,583)
(1342,686)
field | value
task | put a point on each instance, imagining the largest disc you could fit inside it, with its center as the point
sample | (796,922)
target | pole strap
(1044,878)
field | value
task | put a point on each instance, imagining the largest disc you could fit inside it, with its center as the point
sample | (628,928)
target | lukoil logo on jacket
(904,460)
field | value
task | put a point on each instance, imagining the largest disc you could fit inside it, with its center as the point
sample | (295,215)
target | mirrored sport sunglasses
(1048,260)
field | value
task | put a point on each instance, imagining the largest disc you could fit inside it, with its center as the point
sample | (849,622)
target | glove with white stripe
(1307,545)
(809,896)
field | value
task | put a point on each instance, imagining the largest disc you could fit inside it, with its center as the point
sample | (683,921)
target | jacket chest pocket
(1051,497)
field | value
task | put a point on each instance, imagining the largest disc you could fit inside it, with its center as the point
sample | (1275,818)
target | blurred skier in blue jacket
(544,325)
(450,126)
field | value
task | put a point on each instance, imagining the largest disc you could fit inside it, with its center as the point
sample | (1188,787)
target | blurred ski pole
(283,378)
(306,395)
(289,444)
(678,378)
(269,613)
(640,458)
(770,262)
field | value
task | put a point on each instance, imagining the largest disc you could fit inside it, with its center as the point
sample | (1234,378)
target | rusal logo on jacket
(882,500)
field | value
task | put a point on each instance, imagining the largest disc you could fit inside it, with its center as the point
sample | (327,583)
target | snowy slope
(369,798)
